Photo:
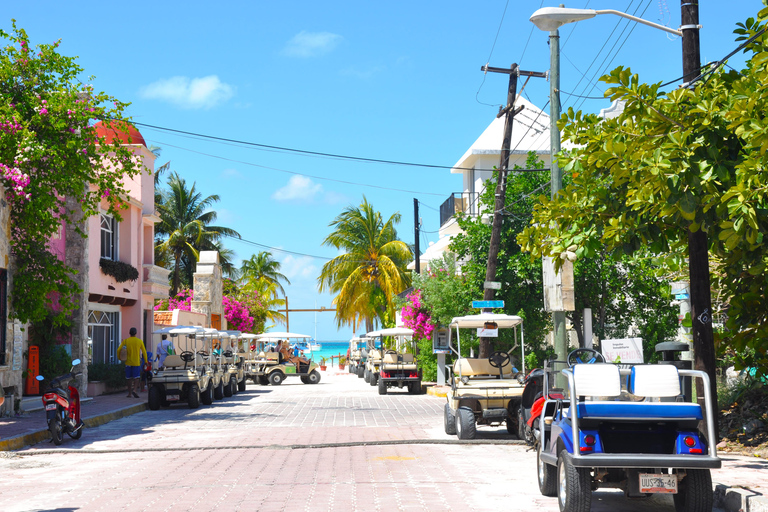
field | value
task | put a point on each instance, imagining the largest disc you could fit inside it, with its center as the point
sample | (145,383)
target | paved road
(334,446)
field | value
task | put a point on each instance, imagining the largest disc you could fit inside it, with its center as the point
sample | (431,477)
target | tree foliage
(48,152)
(371,271)
(692,158)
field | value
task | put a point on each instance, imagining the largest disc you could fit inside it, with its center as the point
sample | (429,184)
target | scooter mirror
(40,378)
(75,362)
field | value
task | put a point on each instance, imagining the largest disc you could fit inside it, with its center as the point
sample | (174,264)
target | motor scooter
(532,402)
(62,406)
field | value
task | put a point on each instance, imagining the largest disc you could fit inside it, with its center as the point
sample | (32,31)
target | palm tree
(373,269)
(262,267)
(185,225)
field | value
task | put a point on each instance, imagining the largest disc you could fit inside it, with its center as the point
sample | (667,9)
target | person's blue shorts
(132,372)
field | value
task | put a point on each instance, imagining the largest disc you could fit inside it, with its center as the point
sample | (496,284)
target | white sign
(625,351)
(492,285)
(558,286)
(487,333)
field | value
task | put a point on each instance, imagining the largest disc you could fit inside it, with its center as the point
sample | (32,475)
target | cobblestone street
(334,446)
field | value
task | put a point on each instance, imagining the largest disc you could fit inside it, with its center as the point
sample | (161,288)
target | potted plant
(323,363)
(342,362)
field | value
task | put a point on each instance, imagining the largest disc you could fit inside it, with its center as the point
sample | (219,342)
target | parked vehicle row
(387,365)
(594,424)
(206,366)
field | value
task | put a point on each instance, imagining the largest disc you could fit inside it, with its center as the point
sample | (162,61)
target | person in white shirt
(163,350)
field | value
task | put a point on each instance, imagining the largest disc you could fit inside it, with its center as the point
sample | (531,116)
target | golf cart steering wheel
(390,352)
(227,353)
(498,359)
(202,353)
(591,356)
(187,356)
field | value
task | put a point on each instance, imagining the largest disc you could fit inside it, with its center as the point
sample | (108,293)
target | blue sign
(487,304)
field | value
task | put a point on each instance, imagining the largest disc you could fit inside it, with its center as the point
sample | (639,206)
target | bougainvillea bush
(49,153)
(237,315)
(182,301)
(416,316)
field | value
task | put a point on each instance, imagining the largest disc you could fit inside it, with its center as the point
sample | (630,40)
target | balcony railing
(458,202)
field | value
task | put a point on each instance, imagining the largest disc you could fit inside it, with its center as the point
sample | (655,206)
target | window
(103,329)
(108,237)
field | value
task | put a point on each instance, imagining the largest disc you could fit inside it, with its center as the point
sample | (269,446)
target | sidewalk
(30,427)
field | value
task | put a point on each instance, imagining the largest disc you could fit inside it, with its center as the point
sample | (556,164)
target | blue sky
(387,80)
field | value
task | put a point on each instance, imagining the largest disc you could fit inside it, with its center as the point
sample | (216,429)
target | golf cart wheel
(465,423)
(193,396)
(360,372)
(256,379)
(241,385)
(382,387)
(227,390)
(275,378)
(304,379)
(695,492)
(314,377)
(218,391)
(57,436)
(373,380)
(574,486)
(449,420)
(207,396)
(365,374)
(263,380)
(524,433)
(153,398)
(547,474)
(414,388)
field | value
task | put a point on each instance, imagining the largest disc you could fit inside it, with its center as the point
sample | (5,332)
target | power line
(299,151)
(501,22)
(418,192)
(250,242)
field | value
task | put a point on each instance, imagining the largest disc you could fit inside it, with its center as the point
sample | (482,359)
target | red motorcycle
(62,406)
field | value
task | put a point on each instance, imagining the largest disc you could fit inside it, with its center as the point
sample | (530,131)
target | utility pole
(416,234)
(501,185)
(698,244)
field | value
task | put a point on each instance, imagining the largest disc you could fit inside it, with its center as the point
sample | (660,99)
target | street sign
(492,285)
(487,333)
(487,304)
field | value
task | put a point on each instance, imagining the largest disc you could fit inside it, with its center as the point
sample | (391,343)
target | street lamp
(550,19)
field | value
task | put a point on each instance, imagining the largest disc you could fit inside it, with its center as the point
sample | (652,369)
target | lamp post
(550,19)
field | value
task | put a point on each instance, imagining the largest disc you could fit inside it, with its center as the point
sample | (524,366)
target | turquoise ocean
(329,348)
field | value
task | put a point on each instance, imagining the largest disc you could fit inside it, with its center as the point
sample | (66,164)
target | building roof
(530,132)
(164,317)
(126,133)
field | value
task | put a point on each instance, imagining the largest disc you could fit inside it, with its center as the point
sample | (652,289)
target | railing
(458,202)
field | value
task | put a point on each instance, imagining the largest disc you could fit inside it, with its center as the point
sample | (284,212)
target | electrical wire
(257,244)
(498,31)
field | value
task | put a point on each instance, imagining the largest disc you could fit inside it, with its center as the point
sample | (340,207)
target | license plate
(658,483)
(50,407)
(172,398)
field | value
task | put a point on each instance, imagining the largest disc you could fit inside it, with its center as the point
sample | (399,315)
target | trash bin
(669,351)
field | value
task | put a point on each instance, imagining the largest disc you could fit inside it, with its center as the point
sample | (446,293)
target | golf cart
(214,360)
(398,366)
(483,391)
(233,374)
(628,430)
(373,361)
(183,375)
(275,374)
(357,356)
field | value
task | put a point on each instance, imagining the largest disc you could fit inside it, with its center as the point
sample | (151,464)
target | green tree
(693,159)
(49,152)
(371,272)
(185,226)
(263,267)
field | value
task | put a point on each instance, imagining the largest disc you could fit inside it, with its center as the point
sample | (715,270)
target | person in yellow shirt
(134,348)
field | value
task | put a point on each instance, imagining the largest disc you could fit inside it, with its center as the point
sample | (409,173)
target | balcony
(458,202)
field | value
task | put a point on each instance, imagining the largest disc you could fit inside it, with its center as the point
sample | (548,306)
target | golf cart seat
(480,368)
(173,361)
(603,381)
(270,356)
(390,359)
(398,362)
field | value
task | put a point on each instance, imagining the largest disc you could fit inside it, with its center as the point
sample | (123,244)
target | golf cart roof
(473,321)
(393,331)
(249,336)
(281,335)
(359,338)
(179,329)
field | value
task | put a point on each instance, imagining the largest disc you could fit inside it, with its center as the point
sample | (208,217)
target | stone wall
(208,287)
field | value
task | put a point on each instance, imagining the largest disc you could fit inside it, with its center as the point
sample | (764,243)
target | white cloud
(298,188)
(311,44)
(189,93)
(298,268)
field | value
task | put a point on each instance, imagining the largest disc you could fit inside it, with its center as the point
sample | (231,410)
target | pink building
(115,304)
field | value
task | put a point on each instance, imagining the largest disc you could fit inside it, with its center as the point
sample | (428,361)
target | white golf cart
(483,391)
(184,373)
(398,366)
(357,355)
(275,374)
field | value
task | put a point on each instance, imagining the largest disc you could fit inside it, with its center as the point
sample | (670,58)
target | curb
(24,440)
(439,391)
(739,500)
